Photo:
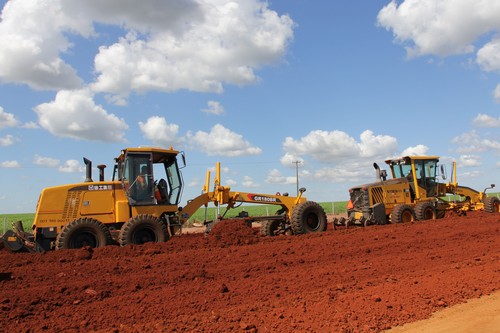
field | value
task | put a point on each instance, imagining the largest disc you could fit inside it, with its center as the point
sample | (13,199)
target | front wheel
(425,211)
(308,217)
(143,229)
(83,232)
(402,213)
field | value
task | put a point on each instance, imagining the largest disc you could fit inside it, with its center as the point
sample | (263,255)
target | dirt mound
(232,232)
(354,280)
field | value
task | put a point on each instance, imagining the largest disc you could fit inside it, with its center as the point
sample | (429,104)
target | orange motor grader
(141,204)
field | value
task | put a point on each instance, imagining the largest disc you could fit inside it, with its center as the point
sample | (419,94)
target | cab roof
(159,154)
(407,159)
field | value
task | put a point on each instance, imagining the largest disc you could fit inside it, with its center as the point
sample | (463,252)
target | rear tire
(492,205)
(425,211)
(143,229)
(83,232)
(308,217)
(402,213)
(269,227)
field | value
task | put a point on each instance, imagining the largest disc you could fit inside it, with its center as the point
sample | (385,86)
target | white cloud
(197,45)
(444,28)
(415,151)
(74,114)
(230,182)
(496,93)
(7,119)
(440,27)
(30,125)
(469,160)
(336,146)
(483,120)
(160,132)
(222,141)
(31,35)
(471,142)
(214,108)
(249,182)
(342,174)
(7,140)
(275,177)
(71,166)
(289,160)
(45,161)
(10,164)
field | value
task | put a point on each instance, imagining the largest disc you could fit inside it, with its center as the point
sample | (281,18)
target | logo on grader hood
(262,198)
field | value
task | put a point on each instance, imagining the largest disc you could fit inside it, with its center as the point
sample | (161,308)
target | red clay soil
(233,280)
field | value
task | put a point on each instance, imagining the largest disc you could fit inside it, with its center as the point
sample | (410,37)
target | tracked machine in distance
(413,193)
(141,204)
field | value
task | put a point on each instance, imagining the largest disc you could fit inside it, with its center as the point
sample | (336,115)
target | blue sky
(255,85)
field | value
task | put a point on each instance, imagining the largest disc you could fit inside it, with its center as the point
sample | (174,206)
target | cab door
(138,179)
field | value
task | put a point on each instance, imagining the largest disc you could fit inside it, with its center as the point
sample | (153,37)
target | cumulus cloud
(440,27)
(74,114)
(214,108)
(71,166)
(249,182)
(471,142)
(10,164)
(444,28)
(45,161)
(198,45)
(222,141)
(337,145)
(160,132)
(415,151)
(159,49)
(7,119)
(469,160)
(7,140)
(276,177)
(32,39)
(483,120)
(289,160)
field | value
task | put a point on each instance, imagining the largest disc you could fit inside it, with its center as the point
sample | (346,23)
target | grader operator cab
(413,193)
(141,204)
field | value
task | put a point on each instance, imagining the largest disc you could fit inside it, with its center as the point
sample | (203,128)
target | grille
(71,205)
(377,195)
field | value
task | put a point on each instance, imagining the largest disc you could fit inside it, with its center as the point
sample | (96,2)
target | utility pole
(297,174)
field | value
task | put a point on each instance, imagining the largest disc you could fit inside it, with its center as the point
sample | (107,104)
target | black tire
(491,204)
(425,211)
(308,217)
(402,213)
(269,227)
(143,229)
(83,232)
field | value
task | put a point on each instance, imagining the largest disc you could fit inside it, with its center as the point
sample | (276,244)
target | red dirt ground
(354,280)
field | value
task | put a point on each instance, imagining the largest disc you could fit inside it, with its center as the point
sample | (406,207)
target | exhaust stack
(101,168)
(88,170)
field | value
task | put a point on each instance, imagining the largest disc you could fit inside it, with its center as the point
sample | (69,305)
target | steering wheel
(162,187)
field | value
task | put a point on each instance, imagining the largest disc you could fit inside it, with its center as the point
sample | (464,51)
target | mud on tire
(269,227)
(308,217)
(142,229)
(425,211)
(402,213)
(83,232)
(491,204)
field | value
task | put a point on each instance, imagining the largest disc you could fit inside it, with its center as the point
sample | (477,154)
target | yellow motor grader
(141,204)
(413,193)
